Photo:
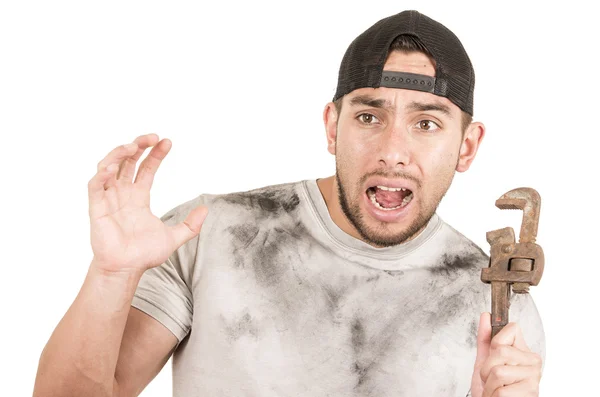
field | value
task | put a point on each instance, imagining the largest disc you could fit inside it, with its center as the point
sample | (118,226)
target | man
(349,285)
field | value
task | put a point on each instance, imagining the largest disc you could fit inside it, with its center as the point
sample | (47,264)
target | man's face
(396,154)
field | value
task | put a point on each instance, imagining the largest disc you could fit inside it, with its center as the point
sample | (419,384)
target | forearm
(81,356)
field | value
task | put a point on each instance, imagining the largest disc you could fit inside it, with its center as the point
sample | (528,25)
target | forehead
(412,62)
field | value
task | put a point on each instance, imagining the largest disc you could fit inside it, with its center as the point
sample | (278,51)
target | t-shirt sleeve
(164,292)
(524,312)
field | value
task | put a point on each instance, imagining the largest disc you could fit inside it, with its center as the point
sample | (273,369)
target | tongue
(389,199)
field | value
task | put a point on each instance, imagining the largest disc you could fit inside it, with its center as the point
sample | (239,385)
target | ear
(468,149)
(330,119)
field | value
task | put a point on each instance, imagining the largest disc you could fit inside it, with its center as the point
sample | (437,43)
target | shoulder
(244,212)
(273,199)
(457,252)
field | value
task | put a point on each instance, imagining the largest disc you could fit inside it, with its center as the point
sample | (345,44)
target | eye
(427,125)
(367,118)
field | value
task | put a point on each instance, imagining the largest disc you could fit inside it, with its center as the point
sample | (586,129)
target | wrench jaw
(513,264)
(501,237)
(529,201)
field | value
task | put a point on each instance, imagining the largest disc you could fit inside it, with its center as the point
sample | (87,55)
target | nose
(395,148)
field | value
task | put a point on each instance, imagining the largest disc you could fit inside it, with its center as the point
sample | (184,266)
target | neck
(329,190)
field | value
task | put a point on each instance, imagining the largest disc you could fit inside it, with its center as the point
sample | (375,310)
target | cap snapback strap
(410,81)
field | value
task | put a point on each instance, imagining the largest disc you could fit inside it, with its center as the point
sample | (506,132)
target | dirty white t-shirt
(273,299)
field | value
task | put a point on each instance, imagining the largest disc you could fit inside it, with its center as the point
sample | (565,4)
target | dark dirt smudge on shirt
(270,253)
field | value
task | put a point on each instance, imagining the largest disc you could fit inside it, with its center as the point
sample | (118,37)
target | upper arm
(145,349)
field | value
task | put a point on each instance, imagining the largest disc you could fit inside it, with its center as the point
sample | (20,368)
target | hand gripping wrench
(518,264)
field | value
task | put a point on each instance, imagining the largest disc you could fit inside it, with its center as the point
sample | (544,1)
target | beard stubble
(381,236)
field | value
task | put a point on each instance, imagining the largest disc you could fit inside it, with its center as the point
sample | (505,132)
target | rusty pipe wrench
(518,264)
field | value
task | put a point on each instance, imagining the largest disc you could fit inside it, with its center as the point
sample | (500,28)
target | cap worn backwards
(362,65)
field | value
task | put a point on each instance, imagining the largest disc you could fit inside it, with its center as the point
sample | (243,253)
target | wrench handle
(500,305)
(496,329)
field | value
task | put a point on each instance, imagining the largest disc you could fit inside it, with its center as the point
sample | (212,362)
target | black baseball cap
(362,65)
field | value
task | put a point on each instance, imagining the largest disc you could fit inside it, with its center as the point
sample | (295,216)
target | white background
(239,87)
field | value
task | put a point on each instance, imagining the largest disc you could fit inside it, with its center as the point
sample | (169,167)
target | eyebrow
(368,100)
(414,106)
(425,107)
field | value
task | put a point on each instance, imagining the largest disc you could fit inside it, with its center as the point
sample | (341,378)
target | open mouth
(389,198)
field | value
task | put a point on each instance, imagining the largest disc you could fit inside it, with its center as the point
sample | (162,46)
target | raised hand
(504,366)
(125,235)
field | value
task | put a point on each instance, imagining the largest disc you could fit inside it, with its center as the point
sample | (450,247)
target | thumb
(190,227)
(484,339)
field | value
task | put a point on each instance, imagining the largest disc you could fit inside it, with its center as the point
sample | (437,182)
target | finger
(115,156)
(484,336)
(521,380)
(190,227)
(149,166)
(511,335)
(127,170)
(96,188)
(516,389)
(508,355)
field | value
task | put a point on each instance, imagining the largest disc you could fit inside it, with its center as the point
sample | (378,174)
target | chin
(385,228)
(386,234)
(384,211)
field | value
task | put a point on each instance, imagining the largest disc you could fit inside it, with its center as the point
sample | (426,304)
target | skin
(421,147)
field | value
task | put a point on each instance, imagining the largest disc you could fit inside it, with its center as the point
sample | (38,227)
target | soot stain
(359,340)
(373,278)
(263,248)
(452,264)
(369,350)
(240,327)
(268,200)
(459,298)
(271,258)
(362,373)
(358,336)
(394,273)
(450,306)
(472,334)
(333,298)
(267,268)
(291,204)
(242,236)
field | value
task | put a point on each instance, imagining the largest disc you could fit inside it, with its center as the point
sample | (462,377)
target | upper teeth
(393,189)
